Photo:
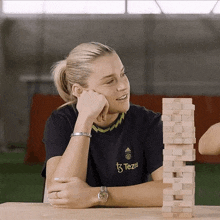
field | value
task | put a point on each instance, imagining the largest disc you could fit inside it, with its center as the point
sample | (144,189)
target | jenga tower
(178,139)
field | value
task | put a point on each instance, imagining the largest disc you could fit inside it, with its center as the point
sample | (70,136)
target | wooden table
(42,211)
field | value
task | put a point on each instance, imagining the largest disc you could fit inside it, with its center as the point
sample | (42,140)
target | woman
(97,139)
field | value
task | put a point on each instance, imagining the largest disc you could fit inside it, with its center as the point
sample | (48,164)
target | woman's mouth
(122,97)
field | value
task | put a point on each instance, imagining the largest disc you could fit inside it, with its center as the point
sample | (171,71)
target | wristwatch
(103,194)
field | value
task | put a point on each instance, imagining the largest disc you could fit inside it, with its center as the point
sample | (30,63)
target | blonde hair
(76,68)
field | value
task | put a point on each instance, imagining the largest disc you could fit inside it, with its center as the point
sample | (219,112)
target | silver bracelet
(81,134)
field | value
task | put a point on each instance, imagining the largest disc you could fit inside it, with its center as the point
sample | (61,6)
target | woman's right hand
(92,105)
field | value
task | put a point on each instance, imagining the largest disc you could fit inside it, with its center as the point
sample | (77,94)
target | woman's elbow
(208,147)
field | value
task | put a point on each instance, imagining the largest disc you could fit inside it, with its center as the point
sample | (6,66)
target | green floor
(23,183)
(19,182)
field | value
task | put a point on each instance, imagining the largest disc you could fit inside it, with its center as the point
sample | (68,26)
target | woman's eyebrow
(111,75)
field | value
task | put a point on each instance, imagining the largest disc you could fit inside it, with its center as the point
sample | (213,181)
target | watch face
(103,196)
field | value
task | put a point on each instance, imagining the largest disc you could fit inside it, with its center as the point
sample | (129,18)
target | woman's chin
(120,108)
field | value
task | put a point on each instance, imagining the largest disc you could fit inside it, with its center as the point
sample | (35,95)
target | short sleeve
(154,142)
(57,133)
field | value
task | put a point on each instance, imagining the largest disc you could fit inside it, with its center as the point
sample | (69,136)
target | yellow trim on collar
(104,130)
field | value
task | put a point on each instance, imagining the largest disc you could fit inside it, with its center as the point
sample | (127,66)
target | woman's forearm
(73,162)
(141,195)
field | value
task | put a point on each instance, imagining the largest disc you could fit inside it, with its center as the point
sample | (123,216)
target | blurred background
(167,47)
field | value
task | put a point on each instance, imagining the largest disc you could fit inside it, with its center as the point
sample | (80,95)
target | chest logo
(128,153)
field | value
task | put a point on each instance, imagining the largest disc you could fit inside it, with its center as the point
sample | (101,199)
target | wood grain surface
(41,211)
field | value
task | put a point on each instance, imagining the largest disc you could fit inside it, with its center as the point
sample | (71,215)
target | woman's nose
(122,85)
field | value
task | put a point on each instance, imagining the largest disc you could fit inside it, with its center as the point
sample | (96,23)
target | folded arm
(75,193)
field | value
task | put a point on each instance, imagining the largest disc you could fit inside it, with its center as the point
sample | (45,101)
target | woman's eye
(110,81)
(123,74)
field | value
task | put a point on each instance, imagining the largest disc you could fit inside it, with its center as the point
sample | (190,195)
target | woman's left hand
(72,193)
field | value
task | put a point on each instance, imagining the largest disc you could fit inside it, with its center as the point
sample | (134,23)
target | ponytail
(63,87)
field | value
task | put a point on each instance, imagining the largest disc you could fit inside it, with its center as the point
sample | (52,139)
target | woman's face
(108,78)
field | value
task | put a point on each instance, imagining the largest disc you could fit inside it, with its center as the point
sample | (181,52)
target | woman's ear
(77,90)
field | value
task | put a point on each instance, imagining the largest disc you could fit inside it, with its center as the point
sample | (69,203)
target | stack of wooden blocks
(178,139)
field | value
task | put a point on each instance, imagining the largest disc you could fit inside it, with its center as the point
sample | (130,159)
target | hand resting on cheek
(92,105)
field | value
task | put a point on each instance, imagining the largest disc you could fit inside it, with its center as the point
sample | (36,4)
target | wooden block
(170,174)
(168,140)
(167,152)
(171,112)
(177,215)
(177,129)
(182,215)
(177,209)
(178,180)
(176,118)
(178,140)
(189,175)
(188,179)
(186,100)
(189,169)
(168,191)
(168,100)
(187,117)
(180,100)
(173,169)
(178,151)
(166,118)
(171,191)
(172,135)
(169,146)
(168,163)
(189,197)
(188,209)
(167,175)
(188,112)
(166,209)
(177,186)
(174,106)
(189,152)
(188,106)
(169,123)
(188,134)
(188,123)
(189,141)
(168,180)
(179,158)
(188,129)
(182,146)
(168,129)
(182,137)
(187,158)
(168,157)
(186,169)
(167,197)
(179,123)
(184,192)
(180,203)
(188,186)
(179,163)
(167,214)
